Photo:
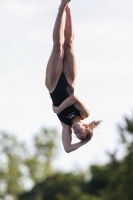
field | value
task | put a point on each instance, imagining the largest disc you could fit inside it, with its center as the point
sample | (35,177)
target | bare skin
(62,59)
(55,64)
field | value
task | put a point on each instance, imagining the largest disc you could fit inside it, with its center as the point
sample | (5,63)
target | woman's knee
(57,46)
(68,44)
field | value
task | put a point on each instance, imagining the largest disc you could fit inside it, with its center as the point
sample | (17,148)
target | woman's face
(79,130)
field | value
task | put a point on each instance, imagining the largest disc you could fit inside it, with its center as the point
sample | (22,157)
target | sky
(104,51)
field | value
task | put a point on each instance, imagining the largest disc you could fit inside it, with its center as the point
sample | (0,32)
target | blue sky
(104,51)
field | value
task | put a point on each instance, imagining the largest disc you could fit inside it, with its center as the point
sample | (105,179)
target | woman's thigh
(69,65)
(54,69)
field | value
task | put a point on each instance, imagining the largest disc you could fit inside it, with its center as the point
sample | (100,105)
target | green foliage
(126,134)
(60,187)
(115,180)
(45,149)
(17,159)
(11,151)
(98,182)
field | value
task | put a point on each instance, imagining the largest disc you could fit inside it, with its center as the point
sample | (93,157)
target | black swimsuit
(62,91)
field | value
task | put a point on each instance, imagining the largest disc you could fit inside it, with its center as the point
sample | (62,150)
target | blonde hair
(89,129)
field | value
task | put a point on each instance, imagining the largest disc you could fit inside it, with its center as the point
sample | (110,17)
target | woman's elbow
(74,97)
(67,150)
(87,113)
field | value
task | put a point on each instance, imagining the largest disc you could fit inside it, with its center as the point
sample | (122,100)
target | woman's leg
(55,64)
(69,60)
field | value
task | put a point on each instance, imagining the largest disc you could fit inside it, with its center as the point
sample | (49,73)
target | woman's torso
(62,91)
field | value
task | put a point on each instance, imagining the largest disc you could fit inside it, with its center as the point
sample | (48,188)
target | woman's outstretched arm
(67,141)
(70,101)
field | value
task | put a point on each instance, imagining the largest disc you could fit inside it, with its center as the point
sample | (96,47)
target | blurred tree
(11,157)
(59,187)
(121,171)
(18,165)
(115,180)
(45,150)
(98,182)
(126,134)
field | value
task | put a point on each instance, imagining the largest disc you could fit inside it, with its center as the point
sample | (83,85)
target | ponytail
(89,130)
(94,124)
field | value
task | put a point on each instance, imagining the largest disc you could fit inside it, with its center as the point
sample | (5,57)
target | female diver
(60,81)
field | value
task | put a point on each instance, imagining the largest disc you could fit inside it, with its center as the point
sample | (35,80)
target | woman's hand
(85,141)
(55,109)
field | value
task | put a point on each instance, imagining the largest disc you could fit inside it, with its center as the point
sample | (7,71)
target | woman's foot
(64,4)
(67,8)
